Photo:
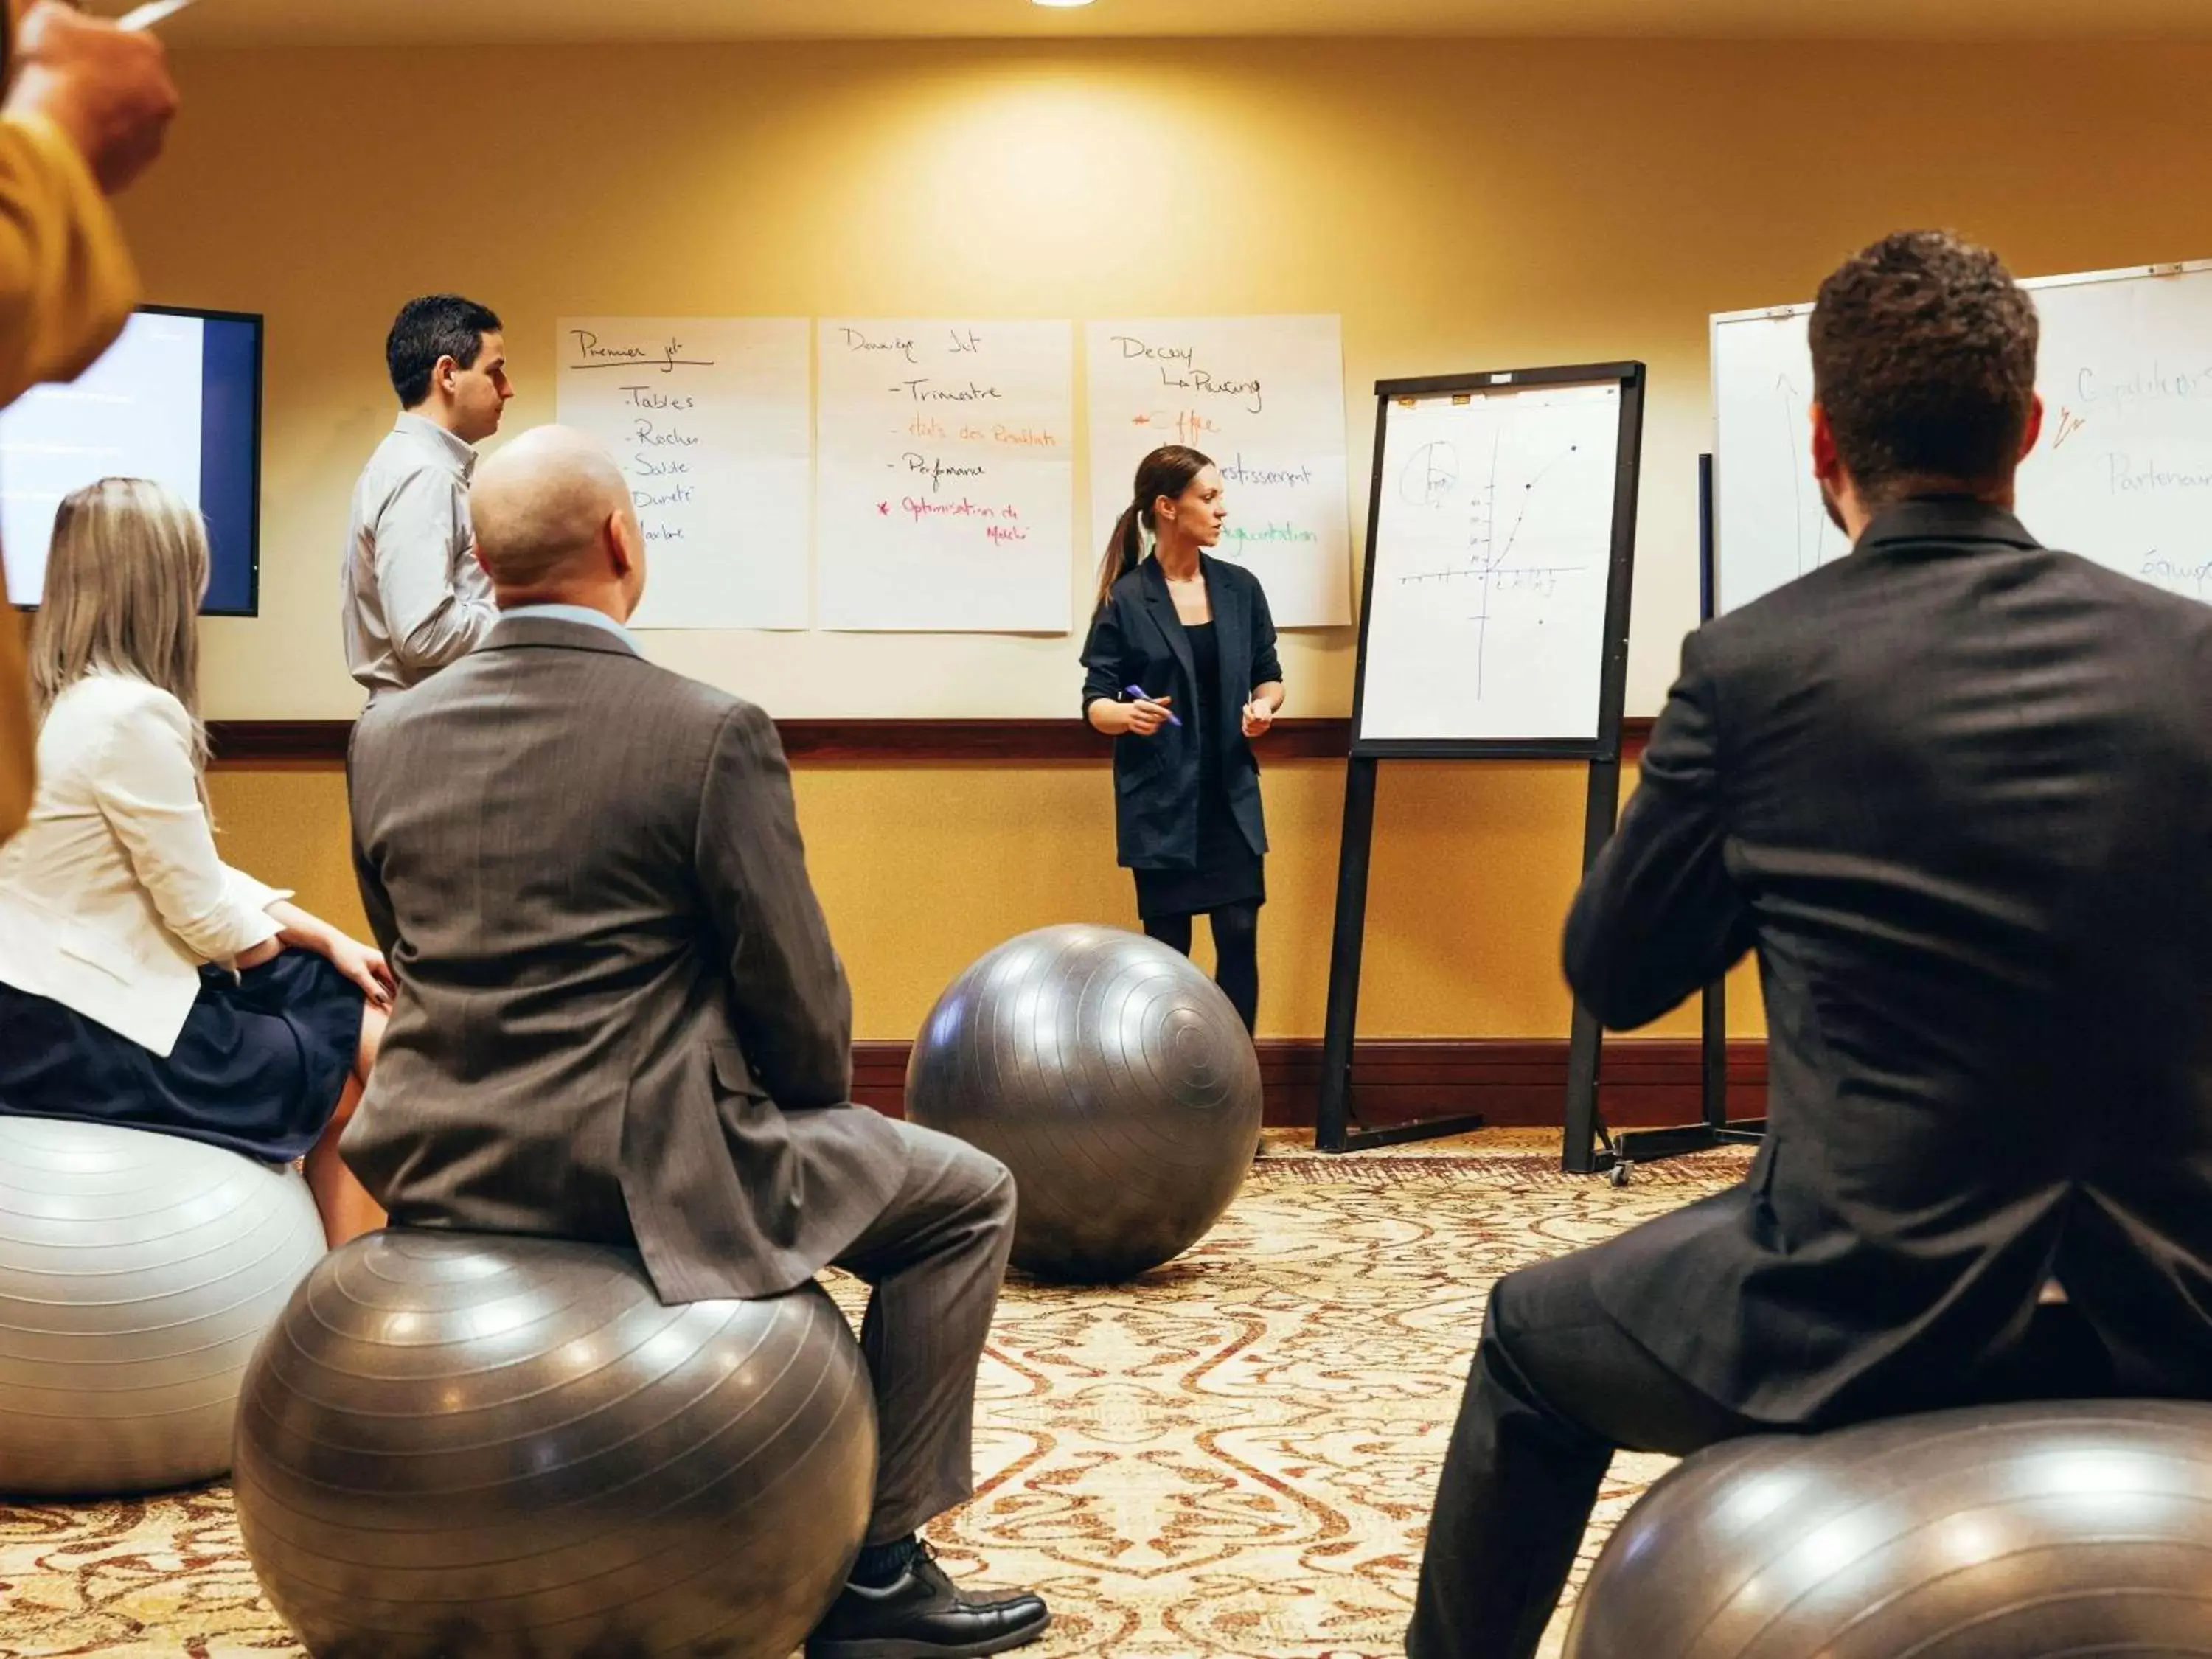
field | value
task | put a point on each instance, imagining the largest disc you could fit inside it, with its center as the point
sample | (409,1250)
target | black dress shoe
(921,1615)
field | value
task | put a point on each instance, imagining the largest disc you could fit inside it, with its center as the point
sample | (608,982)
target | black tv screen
(176,398)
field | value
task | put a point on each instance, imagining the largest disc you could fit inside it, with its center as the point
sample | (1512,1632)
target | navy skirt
(1227,870)
(258,1069)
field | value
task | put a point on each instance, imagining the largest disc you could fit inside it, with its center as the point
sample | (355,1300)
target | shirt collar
(422,427)
(1945,519)
(577,613)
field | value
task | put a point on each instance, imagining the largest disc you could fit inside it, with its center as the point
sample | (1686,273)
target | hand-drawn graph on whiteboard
(1492,562)
(1473,492)
(2122,473)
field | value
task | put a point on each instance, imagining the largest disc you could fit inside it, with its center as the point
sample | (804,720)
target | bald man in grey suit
(620,1018)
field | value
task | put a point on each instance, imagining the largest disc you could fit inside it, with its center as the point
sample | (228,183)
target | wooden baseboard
(874,742)
(1512,1082)
(869,742)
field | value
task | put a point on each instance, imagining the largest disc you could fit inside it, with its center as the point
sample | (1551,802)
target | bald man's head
(543,508)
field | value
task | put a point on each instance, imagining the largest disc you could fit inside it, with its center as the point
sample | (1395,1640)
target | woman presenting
(1182,675)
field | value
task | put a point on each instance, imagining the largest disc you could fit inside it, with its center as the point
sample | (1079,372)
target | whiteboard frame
(1613,670)
(1775,314)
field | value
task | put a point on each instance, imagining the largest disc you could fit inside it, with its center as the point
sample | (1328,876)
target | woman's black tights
(1236,951)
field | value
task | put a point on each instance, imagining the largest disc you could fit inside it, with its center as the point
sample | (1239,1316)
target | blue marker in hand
(1143,695)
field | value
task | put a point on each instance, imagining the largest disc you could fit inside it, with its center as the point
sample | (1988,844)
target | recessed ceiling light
(1057,4)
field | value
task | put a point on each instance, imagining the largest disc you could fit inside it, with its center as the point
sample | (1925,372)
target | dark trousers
(1236,951)
(1556,1387)
(934,1258)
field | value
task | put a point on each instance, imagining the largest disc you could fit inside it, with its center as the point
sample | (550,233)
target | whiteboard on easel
(2122,474)
(1498,561)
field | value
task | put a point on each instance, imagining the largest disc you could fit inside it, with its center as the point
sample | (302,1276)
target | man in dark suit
(1956,790)
(620,1018)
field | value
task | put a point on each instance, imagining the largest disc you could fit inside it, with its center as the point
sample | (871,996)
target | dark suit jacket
(619,1018)
(1956,790)
(1136,640)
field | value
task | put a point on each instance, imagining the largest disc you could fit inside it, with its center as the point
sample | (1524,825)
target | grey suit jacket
(620,1018)
(1956,790)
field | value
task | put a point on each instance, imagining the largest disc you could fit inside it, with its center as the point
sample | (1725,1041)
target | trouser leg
(934,1259)
(1236,958)
(1555,1388)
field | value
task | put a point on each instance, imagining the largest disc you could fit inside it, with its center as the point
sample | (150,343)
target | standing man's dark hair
(414,599)
(1923,372)
(434,326)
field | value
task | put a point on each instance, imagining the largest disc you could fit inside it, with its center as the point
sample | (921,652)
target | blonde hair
(124,576)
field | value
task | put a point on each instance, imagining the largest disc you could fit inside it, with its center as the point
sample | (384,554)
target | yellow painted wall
(1462,205)
(920,869)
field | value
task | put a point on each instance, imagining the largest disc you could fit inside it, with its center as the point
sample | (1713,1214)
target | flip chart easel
(1493,626)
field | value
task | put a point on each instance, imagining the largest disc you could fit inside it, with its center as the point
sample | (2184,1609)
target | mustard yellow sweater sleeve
(66,288)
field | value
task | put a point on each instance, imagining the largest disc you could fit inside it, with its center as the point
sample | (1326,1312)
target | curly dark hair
(1923,358)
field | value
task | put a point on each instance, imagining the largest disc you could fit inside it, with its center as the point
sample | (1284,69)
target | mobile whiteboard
(2122,474)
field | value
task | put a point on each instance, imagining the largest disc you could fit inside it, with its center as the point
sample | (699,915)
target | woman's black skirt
(259,1067)
(1228,871)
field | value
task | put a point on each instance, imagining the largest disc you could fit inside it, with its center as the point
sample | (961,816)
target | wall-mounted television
(177,399)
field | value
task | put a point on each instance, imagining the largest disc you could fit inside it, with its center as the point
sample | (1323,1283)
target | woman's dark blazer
(1137,641)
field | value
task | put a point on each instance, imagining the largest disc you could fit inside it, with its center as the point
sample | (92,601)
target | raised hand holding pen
(107,89)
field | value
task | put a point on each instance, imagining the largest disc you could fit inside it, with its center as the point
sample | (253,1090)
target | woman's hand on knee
(365,966)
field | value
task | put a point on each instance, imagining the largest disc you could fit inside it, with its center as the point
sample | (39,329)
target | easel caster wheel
(1619,1176)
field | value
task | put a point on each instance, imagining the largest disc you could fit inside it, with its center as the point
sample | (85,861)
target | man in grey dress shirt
(414,599)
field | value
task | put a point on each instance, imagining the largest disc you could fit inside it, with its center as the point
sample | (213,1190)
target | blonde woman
(143,982)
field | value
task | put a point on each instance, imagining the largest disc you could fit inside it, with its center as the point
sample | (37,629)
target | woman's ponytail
(1124,548)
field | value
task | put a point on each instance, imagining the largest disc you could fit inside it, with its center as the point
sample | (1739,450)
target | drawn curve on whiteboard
(1429,476)
(1818,539)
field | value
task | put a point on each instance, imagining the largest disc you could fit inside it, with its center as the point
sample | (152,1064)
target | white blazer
(112,895)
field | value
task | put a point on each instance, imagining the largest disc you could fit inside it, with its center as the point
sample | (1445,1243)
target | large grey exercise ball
(137,1273)
(460,1447)
(2020,1532)
(1112,1077)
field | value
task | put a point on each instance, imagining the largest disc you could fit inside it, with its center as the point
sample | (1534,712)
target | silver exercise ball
(1112,1077)
(2018,1532)
(137,1273)
(455,1446)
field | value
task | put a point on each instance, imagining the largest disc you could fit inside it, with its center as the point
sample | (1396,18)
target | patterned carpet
(1234,1457)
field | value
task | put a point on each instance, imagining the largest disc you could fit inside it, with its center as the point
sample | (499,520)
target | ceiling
(271,22)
